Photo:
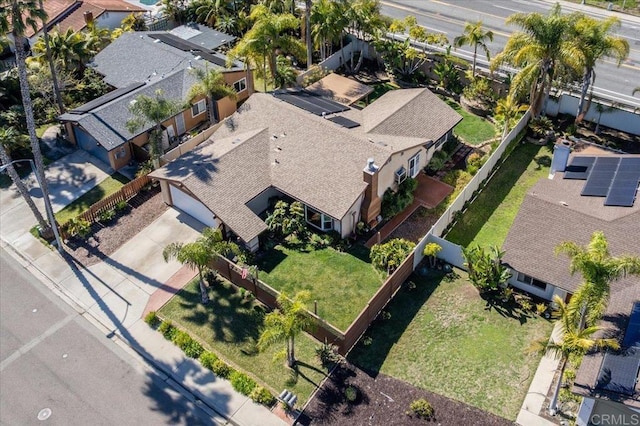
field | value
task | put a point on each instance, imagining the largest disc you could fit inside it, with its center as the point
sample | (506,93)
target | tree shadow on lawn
(298,372)
(500,185)
(385,333)
(359,251)
(508,309)
(270,259)
(228,315)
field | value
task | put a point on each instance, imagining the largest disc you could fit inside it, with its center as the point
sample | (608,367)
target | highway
(58,369)
(449,17)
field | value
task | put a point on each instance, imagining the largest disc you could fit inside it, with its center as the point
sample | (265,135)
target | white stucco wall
(386,174)
(346,226)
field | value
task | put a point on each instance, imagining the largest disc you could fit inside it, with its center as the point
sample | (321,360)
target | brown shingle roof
(76,19)
(54,9)
(554,211)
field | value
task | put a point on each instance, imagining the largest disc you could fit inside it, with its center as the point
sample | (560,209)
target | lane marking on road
(31,344)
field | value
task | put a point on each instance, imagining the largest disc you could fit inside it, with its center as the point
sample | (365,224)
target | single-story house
(336,160)
(142,63)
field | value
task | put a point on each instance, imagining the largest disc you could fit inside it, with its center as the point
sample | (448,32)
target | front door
(414,165)
(180,124)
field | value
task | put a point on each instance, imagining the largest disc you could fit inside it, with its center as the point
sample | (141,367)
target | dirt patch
(416,226)
(607,137)
(383,400)
(105,239)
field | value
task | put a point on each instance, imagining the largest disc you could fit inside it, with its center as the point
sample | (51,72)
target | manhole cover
(44,414)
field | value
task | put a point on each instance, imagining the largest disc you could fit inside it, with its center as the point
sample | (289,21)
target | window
(319,220)
(414,165)
(240,85)
(120,153)
(523,278)
(401,175)
(198,108)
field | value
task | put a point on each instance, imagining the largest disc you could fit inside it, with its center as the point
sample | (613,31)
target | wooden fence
(128,191)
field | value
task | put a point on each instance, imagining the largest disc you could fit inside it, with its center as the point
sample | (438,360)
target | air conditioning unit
(401,175)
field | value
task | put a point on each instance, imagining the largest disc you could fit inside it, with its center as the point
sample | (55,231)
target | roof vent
(278,149)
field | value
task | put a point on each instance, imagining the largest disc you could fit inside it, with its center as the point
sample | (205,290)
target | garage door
(192,207)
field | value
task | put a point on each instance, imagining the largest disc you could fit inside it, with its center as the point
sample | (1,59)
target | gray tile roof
(202,35)
(554,211)
(137,57)
(107,123)
(415,113)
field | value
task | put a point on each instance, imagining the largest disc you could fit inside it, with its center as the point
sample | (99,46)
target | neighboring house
(554,211)
(143,63)
(337,161)
(203,36)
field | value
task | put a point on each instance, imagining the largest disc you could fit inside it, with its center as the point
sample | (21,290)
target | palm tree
(568,339)
(598,269)
(323,29)
(285,323)
(54,76)
(363,16)
(152,110)
(594,41)
(508,112)
(70,49)
(307,32)
(269,36)
(17,15)
(96,38)
(210,84)
(538,50)
(211,11)
(474,35)
(10,137)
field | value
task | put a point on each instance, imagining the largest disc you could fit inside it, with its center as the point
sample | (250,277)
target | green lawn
(489,217)
(342,283)
(472,129)
(229,327)
(103,189)
(443,337)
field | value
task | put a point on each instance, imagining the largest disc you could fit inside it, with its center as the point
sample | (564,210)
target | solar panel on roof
(619,372)
(311,103)
(213,59)
(115,94)
(344,122)
(601,176)
(579,168)
(178,43)
(632,334)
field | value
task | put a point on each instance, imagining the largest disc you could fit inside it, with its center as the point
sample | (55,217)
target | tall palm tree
(69,48)
(10,137)
(537,50)
(363,16)
(210,84)
(474,35)
(211,11)
(285,323)
(307,32)
(96,38)
(568,339)
(508,112)
(598,269)
(16,16)
(54,74)
(593,40)
(152,110)
(269,36)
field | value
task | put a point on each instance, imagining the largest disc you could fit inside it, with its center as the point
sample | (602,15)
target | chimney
(371,166)
(561,153)
(371,204)
(88,17)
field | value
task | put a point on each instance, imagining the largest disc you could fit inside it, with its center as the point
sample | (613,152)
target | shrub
(438,160)
(78,227)
(367,340)
(152,319)
(262,396)
(351,394)
(189,346)
(328,354)
(480,90)
(207,359)
(486,270)
(385,315)
(144,168)
(389,256)
(167,329)
(422,408)
(541,308)
(221,369)
(540,126)
(122,205)
(394,203)
(242,383)
(107,215)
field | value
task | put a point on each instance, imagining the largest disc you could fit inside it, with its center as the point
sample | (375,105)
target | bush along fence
(94,213)
(240,381)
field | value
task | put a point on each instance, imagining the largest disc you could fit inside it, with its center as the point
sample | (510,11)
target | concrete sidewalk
(113,295)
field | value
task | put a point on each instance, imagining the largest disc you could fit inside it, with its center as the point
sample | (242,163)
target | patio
(429,193)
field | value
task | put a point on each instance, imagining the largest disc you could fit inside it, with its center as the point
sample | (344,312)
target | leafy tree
(390,255)
(538,50)
(508,112)
(598,269)
(324,28)
(474,35)
(569,339)
(485,268)
(96,38)
(16,16)
(363,19)
(447,72)
(285,323)
(286,75)
(69,49)
(431,250)
(175,10)
(593,40)
(54,77)
(210,12)
(270,34)
(147,110)
(210,84)
(287,219)
(400,58)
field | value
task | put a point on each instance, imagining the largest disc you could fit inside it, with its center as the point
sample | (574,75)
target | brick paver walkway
(173,285)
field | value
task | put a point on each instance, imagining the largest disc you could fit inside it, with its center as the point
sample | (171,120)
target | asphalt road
(58,369)
(449,17)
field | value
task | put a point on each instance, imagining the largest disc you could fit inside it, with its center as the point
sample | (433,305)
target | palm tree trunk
(22,188)
(203,288)
(213,111)
(586,83)
(553,405)
(28,111)
(54,75)
(291,358)
(307,34)
(475,52)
